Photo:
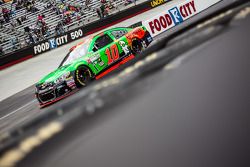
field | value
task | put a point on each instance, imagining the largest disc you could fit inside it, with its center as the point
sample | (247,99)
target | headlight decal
(62,78)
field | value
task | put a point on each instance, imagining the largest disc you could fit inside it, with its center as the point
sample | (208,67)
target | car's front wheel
(82,76)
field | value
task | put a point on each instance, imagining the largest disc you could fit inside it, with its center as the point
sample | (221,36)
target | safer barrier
(57,41)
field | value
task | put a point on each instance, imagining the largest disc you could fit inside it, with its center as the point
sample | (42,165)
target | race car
(91,57)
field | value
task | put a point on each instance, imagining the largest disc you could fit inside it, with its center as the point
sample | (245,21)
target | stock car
(88,59)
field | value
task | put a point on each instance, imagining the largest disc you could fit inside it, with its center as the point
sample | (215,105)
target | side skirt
(115,66)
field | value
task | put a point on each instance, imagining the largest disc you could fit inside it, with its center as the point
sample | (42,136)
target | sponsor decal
(95,59)
(175,15)
(155,3)
(71,82)
(101,63)
(124,47)
(150,39)
(50,44)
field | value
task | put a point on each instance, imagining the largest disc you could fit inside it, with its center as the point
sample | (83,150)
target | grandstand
(21,29)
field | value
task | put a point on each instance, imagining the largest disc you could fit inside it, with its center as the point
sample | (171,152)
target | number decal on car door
(114,55)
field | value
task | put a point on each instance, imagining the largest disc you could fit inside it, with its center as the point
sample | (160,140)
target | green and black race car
(90,58)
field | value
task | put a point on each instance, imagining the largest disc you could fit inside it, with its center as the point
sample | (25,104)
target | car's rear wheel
(82,76)
(137,46)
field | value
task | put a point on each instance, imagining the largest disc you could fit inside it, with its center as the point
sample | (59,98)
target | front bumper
(55,93)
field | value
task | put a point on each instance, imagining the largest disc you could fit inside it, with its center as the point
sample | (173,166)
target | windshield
(78,52)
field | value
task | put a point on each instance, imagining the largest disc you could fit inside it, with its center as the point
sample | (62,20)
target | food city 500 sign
(176,15)
(56,42)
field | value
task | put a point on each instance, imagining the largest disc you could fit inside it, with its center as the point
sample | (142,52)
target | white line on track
(17,110)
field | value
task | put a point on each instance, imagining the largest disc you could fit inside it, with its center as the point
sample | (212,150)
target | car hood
(51,77)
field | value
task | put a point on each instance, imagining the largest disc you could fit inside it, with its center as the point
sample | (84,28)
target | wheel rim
(137,47)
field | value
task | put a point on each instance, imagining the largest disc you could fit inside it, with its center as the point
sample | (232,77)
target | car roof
(111,29)
(89,38)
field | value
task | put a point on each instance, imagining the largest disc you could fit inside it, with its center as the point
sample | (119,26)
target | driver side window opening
(101,42)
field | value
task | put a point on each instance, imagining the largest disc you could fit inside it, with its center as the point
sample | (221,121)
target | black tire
(82,76)
(137,46)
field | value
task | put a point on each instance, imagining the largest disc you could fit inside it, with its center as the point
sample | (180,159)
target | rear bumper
(147,38)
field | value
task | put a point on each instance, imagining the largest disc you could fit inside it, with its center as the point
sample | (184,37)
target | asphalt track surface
(22,106)
(196,114)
